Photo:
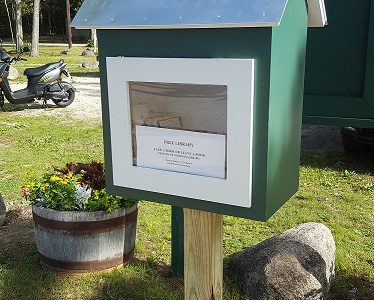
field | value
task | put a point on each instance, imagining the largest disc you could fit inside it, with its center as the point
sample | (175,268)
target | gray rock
(90,64)
(2,211)
(298,264)
(13,73)
(88,52)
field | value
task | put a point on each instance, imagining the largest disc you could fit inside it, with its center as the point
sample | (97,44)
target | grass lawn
(335,189)
(48,54)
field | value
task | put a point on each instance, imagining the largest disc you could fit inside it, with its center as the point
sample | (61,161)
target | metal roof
(111,14)
(143,14)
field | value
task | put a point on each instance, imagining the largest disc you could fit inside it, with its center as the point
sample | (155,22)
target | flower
(24,191)
(55,178)
(44,186)
(30,185)
(78,186)
(82,194)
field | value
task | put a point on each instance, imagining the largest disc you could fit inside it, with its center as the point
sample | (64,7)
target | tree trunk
(35,29)
(19,29)
(94,38)
(10,21)
(68,22)
(49,22)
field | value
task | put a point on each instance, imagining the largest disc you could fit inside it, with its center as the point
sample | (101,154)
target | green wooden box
(274,35)
(339,78)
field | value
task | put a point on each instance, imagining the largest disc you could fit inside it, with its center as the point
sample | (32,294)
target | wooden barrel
(73,241)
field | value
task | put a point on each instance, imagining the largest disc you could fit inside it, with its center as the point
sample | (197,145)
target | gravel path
(87,106)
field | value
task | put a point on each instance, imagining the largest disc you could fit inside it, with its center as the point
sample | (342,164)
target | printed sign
(181,151)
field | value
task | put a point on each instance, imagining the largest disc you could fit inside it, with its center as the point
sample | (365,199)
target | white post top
(317,13)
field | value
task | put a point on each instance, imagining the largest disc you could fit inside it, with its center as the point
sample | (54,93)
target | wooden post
(203,259)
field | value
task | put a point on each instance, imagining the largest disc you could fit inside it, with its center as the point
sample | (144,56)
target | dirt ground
(321,138)
(17,233)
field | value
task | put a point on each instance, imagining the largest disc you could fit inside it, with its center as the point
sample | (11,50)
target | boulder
(88,52)
(90,64)
(2,211)
(13,73)
(298,264)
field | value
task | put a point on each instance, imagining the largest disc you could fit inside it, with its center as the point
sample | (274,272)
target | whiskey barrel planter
(73,241)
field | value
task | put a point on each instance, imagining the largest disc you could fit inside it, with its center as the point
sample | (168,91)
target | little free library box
(202,100)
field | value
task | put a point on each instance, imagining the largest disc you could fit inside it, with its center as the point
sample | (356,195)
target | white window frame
(236,74)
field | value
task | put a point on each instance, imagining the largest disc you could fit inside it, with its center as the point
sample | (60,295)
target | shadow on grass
(8,107)
(362,163)
(139,280)
(24,279)
(21,275)
(95,74)
(347,287)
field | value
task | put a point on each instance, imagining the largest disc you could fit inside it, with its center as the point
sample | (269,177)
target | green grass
(335,189)
(37,143)
(49,54)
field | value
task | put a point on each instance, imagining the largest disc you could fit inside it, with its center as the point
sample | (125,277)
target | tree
(10,22)
(94,39)
(68,22)
(18,19)
(35,29)
(74,6)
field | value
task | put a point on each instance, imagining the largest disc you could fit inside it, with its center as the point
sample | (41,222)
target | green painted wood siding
(272,185)
(339,79)
(197,43)
(286,103)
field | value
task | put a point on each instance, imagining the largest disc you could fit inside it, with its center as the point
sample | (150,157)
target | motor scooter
(43,83)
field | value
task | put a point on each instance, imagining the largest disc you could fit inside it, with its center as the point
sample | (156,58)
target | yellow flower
(31,184)
(67,176)
(29,174)
(55,178)
(64,182)
(44,186)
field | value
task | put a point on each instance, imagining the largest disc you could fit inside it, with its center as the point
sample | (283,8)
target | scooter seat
(41,70)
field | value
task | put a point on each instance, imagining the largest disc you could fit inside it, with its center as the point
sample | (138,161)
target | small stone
(2,211)
(13,73)
(90,64)
(65,52)
(298,264)
(88,52)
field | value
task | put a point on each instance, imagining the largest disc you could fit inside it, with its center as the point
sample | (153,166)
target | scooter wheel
(66,101)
